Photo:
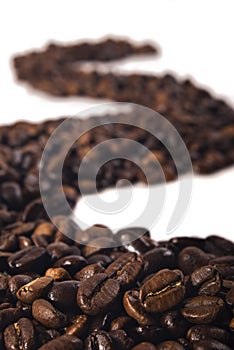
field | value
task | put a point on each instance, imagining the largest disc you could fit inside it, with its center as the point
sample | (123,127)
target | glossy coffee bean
(63,295)
(202,309)
(99,340)
(20,335)
(157,259)
(34,289)
(32,259)
(135,310)
(59,249)
(58,274)
(126,269)
(45,313)
(71,263)
(122,322)
(224,264)
(163,291)
(191,258)
(88,271)
(207,279)
(199,332)
(68,342)
(96,294)
(79,326)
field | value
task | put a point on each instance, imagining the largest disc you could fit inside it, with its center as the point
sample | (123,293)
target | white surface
(196,38)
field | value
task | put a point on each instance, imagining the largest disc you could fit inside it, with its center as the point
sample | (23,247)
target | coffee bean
(58,274)
(34,289)
(97,246)
(135,310)
(163,291)
(71,263)
(102,259)
(153,334)
(88,271)
(122,322)
(197,333)
(210,344)
(157,259)
(8,316)
(170,345)
(45,313)
(174,323)
(29,259)
(63,295)
(126,269)
(207,279)
(99,340)
(121,340)
(20,335)
(96,294)
(68,342)
(202,309)
(60,249)
(191,258)
(79,326)
(16,282)
(224,264)
(230,297)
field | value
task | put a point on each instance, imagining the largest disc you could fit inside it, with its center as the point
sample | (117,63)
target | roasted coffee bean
(170,345)
(144,346)
(59,249)
(11,193)
(79,326)
(174,323)
(121,340)
(122,322)
(135,310)
(163,291)
(157,259)
(68,342)
(96,294)
(71,263)
(58,274)
(45,313)
(32,259)
(34,289)
(219,246)
(8,242)
(20,335)
(16,282)
(97,246)
(100,322)
(207,279)
(24,242)
(63,295)
(93,232)
(99,340)
(224,264)
(202,309)
(88,271)
(210,344)
(126,269)
(8,316)
(102,259)
(191,258)
(197,333)
(230,297)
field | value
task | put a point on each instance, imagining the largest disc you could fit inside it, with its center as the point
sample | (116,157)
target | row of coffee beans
(205,123)
(58,294)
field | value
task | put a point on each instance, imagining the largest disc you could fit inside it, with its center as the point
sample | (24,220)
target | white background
(196,39)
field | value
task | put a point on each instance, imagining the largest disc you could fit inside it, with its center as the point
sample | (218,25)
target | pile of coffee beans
(205,123)
(149,295)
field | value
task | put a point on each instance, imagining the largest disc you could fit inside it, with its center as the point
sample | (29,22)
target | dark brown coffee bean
(59,249)
(8,316)
(20,335)
(135,310)
(163,291)
(32,259)
(224,264)
(102,259)
(157,259)
(230,297)
(219,246)
(174,323)
(100,322)
(58,274)
(79,326)
(45,313)
(202,309)
(170,345)
(16,282)
(122,322)
(121,340)
(210,344)
(191,258)
(144,346)
(34,289)
(197,333)
(96,294)
(11,193)
(97,246)
(126,269)
(68,342)
(8,242)
(207,279)
(71,263)
(99,340)
(63,295)
(88,271)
